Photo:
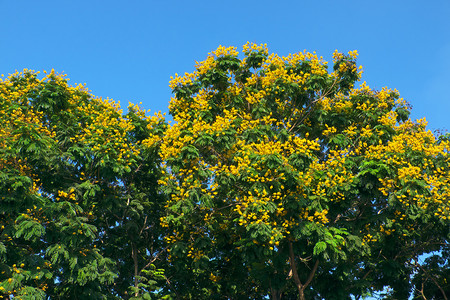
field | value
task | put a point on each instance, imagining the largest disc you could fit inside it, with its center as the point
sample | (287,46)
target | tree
(286,179)
(278,177)
(79,202)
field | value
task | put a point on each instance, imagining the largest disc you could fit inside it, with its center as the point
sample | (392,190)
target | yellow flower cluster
(413,138)
(202,67)
(106,130)
(353,54)
(70,195)
(337,55)
(225,51)
(181,80)
(329,130)
(152,123)
(410,172)
(350,130)
(366,131)
(248,47)
(318,217)
(15,110)
(389,119)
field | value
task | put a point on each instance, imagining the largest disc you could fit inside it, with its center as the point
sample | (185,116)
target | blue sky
(127,50)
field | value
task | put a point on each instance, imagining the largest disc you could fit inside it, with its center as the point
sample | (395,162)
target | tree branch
(432,278)
(297,281)
(311,274)
(136,269)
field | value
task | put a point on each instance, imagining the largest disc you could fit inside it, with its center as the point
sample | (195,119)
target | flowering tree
(277,178)
(283,176)
(79,206)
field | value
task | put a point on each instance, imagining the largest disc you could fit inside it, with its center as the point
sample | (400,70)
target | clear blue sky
(127,50)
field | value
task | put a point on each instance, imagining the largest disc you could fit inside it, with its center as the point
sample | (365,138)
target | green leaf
(319,248)
(2,248)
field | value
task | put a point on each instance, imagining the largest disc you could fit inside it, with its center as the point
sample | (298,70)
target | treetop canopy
(279,159)
(277,176)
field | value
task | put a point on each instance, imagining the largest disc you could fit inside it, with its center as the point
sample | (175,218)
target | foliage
(283,176)
(80,207)
(280,177)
